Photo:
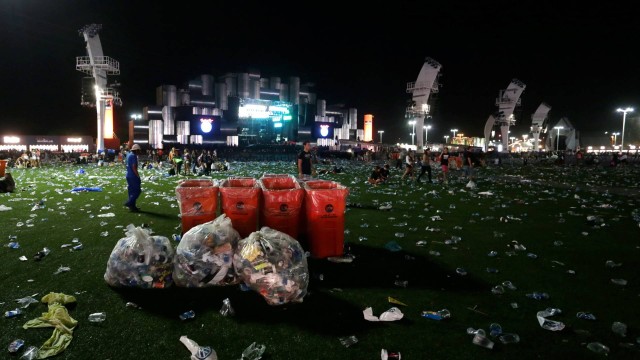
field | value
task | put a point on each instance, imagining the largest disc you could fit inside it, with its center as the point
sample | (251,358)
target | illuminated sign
(74,140)
(323,130)
(205,125)
(11,140)
(44,140)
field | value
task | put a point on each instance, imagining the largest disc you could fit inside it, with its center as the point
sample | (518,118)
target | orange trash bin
(3,167)
(240,201)
(282,198)
(198,202)
(325,206)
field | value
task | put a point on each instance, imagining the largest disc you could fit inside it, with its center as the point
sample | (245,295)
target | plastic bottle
(437,315)
(253,352)
(598,348)
(16,345)
(12,313)
(97,317)
(538,295)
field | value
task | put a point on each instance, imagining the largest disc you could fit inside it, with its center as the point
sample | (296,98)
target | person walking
(410,164)
(425,164)
(305,165)
(444,164)
(133,178)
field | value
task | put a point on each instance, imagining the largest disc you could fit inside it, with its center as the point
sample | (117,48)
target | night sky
(578,59)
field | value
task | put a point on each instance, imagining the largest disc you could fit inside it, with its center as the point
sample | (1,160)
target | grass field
(552,230)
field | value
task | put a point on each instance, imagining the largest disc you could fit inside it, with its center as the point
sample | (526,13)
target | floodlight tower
(99,66)
(421,90)
(507,101)
(538,123)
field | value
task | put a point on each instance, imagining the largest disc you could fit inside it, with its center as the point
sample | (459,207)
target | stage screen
(205,125)
(323,130)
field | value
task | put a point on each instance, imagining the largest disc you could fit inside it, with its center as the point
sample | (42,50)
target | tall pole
(413,132)
(380,132)
(558,137)
(426,134)
(624,119)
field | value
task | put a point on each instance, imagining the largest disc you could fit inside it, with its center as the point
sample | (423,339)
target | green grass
(552,203)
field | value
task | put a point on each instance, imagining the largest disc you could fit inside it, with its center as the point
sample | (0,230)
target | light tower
(539,123)
(421,89)
(624,119)
(507,101)
(99,66)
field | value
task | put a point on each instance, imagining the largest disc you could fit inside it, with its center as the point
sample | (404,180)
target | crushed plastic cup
(497,290)
(348,341)
(226,309)
(619,328)
(390,355)
(620,282)
(598,348)
(461,271)
(585,316)
(30,353)
(507,338)
(495,329)
(187,315)
(481,340)
(509,285)
(612,264)
(253,352)
(197,351)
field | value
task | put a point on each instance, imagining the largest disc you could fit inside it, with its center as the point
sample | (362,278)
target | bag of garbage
(140,260)
(204,256)
(273,264)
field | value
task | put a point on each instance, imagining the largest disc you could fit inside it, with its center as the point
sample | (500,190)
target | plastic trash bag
(140,260)
(273,264)
(204,256)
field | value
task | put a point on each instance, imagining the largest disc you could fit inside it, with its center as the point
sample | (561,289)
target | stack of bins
(198,201)
(282,198)
(240,199)
(325,204)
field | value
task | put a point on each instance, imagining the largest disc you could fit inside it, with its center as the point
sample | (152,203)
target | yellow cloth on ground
(58,318)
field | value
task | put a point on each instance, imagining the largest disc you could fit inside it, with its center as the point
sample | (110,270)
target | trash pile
(140,260)
(273,264)
(204,256)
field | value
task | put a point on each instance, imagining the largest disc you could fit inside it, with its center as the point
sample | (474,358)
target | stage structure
(563,136)
(98,67)
(421,90)
(507,101)
(539,124)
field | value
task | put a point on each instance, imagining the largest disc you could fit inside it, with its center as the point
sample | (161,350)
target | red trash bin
(240,200)
(198,201)
(3,167)
(325,206)
(282,198)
